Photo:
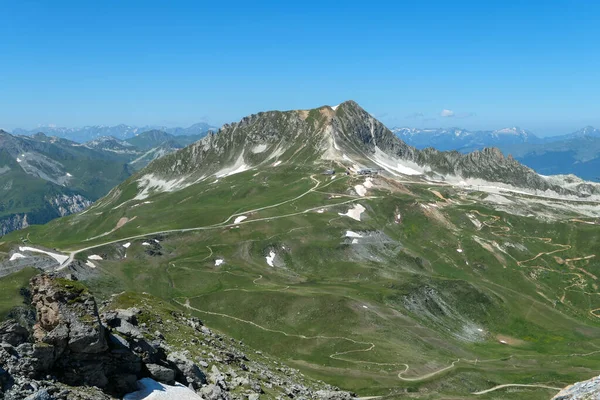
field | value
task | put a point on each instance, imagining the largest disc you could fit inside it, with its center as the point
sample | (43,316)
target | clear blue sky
(531,63)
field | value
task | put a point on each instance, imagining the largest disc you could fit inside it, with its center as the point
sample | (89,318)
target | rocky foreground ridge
(63,347)
(586,390)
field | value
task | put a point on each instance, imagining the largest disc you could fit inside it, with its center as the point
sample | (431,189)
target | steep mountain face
(462,139)
(89,133)
(42,178)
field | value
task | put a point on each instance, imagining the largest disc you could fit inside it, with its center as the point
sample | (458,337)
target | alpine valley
(307,254)
(45,177)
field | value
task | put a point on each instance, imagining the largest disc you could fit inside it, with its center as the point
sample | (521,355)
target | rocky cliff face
(73,351)
(66,205)
(54,207)
(12,223)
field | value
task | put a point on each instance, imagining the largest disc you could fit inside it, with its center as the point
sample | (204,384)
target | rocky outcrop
(72,351)
(66,205)
(67,341)
(586,390)
(12,223)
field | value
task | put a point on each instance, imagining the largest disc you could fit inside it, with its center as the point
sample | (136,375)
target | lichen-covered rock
(67,315)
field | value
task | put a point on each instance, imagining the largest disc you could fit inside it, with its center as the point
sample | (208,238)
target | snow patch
(353,234)
(239,219)
(335,107)
(69,175)
(270,258)
(149,389)
(259,148)
(150,182)
(145,244)
(58,257)
(94,257)
(219,261)
(276,163)
(238,167)
(354,212)
(18,159)
(459,250)
(392,164)
(126,245)
(90,264)
(16,256)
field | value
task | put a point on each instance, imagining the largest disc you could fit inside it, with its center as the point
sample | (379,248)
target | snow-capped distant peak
(511,131)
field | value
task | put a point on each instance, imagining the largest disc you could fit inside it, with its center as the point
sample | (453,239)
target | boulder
(333,395)
(213,392)
(187,372)
(161,374)
(13,333)
(40,395)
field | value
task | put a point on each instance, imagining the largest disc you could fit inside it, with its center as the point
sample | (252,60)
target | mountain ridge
(121,131)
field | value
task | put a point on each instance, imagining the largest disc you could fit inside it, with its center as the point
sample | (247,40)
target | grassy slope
(9,289)
(326,282)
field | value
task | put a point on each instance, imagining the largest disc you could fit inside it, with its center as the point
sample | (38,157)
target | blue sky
(491,64)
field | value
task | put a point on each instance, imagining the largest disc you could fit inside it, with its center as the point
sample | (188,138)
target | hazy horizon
(478,66)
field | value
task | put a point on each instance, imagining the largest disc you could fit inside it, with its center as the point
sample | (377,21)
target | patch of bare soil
(510,341)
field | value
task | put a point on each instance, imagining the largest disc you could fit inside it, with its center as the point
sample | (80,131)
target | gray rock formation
(586,390)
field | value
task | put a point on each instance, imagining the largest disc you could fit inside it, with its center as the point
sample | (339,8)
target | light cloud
(416,115)
(447,113)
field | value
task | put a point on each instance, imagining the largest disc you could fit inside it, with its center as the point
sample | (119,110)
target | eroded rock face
(68,341)
(67,316)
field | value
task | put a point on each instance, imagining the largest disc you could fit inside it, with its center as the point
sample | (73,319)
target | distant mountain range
(574,153)
(464,140)
(44,177)
(87,133)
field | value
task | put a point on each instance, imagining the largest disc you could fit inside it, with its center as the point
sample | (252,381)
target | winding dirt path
(533,385)
(225,223)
